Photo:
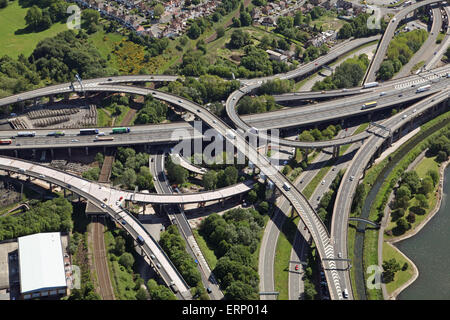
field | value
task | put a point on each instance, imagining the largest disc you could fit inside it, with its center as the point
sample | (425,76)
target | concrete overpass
(344,197)
(389,34)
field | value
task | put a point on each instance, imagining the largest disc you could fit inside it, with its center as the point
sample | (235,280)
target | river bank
(439,194)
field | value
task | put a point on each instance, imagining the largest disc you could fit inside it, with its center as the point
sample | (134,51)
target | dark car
(208,290)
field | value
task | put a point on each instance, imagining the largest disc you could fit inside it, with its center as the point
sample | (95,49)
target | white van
(286,186)
(345,292)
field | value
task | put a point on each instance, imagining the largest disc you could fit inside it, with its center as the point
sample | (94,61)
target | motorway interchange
(331,244)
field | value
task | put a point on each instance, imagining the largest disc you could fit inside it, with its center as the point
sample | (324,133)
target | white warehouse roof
(41,262)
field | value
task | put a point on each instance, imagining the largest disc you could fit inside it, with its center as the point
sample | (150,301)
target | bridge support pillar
(87,151)
(52,153)
(104,150)
(391,138)
(69,151)
(52,99)
(33,152)
(35,101)
(143,208)
(65,193)
(66,96)
(16,153)
(50,186)
(369,116)
(336,150)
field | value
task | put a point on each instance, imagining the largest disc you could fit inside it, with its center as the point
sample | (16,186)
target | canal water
(360,290)
(429,250)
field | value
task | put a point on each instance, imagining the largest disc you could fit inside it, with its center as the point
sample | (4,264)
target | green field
(13,39)
(283,255)
(401,277)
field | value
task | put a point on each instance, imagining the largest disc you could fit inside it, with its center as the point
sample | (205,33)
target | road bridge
(389,34)
(350,180)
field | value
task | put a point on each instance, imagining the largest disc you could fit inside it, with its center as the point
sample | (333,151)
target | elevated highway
(108,200)
(389,34)
(344,197)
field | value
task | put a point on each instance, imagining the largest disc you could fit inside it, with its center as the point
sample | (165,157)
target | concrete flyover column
(16,153)
(87,151)
(104,150)
(52,153)
(69,150)
(336,150)
(65,195)
(35,101)
(33,152)
(391,138)
(66,95)
(50,186)
(52,98)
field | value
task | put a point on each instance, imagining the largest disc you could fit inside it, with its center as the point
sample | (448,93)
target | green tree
(434,176)
(33,17)
(158,10)
(426,185)
(390,267)
(3,3)
(194,31)
(127,260)
(220,31)
(210,180)
(239,39)
(142,294)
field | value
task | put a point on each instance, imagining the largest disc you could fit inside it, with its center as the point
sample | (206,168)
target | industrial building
(41,265)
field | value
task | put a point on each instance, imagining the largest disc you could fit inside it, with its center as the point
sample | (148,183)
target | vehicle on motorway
(382,94)
(370,85)
(17,144)
(400,95)
(88,131)
(121,130)
(26,133)
(140,240)
(152,256)
(448,75)
(123,222)
(423,88)
(296,267)
(74,140)
(158,265)
(208,290)
(352,178)
(286,186)
(101,134)
(340,255)
(103,206)
(41,176)
(180,101)
(323,182)
(231,135)
(345,293)
(109,79)
(369,105)
(174,287)
(5,141)
(56,134)
(97,138)
(22,170)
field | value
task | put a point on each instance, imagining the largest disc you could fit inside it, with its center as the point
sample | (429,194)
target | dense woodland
(49,216)
(235,237)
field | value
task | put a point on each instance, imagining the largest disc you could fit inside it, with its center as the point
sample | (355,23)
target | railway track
(101,264)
